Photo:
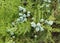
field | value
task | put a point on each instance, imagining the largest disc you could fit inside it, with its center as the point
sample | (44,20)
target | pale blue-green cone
(20,14)
(41,29)
(33,24)
(32,18)
(28,12)
(13,23)
(49,1)
(20,8)
(38,24)
(46,21)
(35,36)
(50,22)
(25,19)
(18,19)
(37,29)
(28,15)
(24,10)
(42,20)
(11,33)
(21,19)
(24,15)
(47,5)
(13,36)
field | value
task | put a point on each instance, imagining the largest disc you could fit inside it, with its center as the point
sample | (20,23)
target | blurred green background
(9,13)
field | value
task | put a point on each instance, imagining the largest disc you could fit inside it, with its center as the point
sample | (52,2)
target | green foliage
(22,32)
